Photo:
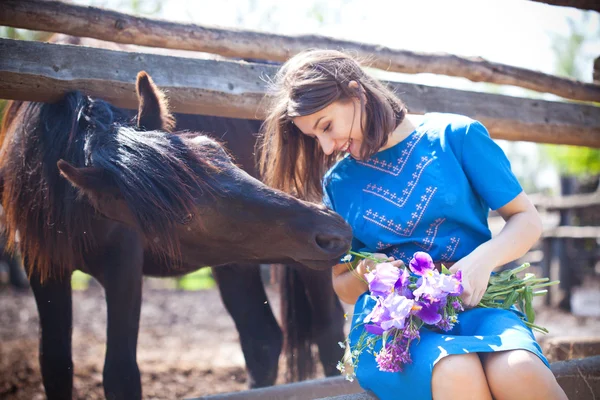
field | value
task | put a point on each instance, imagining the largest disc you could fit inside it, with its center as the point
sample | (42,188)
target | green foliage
(568,52)
(572,160)
(80,280)
(198,280)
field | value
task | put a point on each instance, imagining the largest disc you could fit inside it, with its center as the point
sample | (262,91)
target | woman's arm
(350,284)
(523,228)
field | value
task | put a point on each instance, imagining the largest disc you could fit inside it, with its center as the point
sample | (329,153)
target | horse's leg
(16,273)
(122,279)
(244,296)
(327,317)
(53,298)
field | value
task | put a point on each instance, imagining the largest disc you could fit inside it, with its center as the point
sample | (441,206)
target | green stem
(365,256)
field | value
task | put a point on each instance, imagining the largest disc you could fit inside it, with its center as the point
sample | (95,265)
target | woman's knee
(458,368)
(513,367)
(460,377)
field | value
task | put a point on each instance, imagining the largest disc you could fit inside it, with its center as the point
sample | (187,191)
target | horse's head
(192,203)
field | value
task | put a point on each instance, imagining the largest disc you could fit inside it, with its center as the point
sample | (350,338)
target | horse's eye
(187,219)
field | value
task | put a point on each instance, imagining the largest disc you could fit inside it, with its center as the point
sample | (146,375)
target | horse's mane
(158,177)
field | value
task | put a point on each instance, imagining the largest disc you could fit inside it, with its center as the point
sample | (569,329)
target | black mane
(157,176)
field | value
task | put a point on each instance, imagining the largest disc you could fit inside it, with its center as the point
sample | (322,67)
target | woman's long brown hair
(310,81)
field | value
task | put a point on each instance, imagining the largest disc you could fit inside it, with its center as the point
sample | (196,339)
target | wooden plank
(593,5)
(573,232)
(578,378)
(596,73)
(118,27)
(311,389)
(36,71)
(567,202)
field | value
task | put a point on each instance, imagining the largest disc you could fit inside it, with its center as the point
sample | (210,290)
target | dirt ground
(188,346)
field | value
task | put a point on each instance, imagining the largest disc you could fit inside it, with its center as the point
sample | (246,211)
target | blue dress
(431,192)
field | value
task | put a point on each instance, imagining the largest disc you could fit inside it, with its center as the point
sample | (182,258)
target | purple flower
(403,280)
(421,264)
(411,333)
(374,329)
(378,314)
(383,279)
(399,308)
(447,323)
(393,357)
(457,306)
(437,286)
(429,312)
(451,284)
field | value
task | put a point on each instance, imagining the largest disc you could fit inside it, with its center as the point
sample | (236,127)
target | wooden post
(547,249)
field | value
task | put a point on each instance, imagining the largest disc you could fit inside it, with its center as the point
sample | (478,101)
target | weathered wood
(573,232)
(36,71)
(563,348)
(593,5)
(118,27)
(580,379)
(567,202)
(312,389)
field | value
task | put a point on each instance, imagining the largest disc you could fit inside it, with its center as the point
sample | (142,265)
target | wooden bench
(580,379)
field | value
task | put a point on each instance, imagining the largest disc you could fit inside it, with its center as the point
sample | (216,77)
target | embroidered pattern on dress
(450,249)
(381,245)
(431,233)
(390,167)
(399,255)
(411,224)
(394,198)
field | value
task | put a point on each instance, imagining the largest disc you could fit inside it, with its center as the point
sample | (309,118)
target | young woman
(409,183)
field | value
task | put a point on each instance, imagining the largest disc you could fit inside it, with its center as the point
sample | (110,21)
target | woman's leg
(460,377)
(520,374)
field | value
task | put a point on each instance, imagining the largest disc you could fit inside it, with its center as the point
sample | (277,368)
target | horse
(119,198)
(310,311)
(311,314)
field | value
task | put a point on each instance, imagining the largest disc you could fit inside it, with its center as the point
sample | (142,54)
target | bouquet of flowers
(410,298)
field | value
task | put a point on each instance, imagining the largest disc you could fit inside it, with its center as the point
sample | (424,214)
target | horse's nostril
(328,242)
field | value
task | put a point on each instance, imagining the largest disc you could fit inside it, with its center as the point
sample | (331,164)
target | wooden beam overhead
(591,5)
(54,16)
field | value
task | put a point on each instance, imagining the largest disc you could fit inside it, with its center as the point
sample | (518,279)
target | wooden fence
(43,72)
(118,27)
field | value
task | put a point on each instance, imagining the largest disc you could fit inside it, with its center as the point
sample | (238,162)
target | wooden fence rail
(593,5)
(54,16)
(37,71)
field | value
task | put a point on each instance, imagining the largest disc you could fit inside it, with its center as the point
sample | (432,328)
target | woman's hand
(523,228)
(366,265)
(349,284)
(475,277)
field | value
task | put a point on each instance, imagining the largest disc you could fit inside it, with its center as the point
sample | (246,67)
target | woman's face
(337,127)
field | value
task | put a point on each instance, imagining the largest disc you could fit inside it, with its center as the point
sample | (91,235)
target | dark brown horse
(311,313)
(90,189)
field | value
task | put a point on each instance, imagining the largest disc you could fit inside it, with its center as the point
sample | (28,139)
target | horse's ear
(153,112)
(90,180)
(102,193)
